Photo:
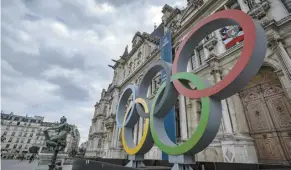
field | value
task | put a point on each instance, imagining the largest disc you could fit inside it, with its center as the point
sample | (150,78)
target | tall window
(14,146)
(13,133)
(7,146)
(31,134)
(10,140)
(28,141)
(200,55)
(287,4)
(194,62)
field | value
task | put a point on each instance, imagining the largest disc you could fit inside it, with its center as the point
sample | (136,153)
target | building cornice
(205,10)
(172,16)
(152,56)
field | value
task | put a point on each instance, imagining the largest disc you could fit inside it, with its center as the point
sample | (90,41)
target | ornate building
(256,123)
(19,133)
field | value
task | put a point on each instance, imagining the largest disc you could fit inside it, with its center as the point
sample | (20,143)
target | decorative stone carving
(175,25)
(259,11)
(195,3)
(109,122)
(229,155)
(273,39)
(210,43)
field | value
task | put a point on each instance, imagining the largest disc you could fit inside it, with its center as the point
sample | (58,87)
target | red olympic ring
(245,67)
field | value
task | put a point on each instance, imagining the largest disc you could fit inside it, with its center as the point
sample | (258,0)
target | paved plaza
(20,165)
(17,165)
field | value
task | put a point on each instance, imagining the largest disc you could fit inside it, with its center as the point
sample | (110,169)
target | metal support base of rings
(181,162)
(135,161)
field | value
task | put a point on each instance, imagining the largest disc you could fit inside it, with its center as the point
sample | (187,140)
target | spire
(125,54)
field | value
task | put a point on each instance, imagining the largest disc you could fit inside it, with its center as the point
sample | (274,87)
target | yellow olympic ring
(138,147)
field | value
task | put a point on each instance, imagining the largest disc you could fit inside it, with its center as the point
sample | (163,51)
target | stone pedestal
(45,160)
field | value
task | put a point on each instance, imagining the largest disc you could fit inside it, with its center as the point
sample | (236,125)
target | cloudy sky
(55,53)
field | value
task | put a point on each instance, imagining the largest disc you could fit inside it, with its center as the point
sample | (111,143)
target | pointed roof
(125,53)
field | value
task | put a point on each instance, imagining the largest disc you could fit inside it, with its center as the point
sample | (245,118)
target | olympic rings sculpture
(177,79)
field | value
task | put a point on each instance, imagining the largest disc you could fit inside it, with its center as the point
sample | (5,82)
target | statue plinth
(45,160)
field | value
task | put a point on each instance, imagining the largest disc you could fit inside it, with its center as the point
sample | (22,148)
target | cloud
(55,55)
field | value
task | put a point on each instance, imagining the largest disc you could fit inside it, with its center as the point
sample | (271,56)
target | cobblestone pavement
(20,165)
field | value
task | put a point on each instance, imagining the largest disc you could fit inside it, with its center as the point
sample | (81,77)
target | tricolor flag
(232,35)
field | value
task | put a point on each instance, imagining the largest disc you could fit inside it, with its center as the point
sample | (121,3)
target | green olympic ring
(198,137)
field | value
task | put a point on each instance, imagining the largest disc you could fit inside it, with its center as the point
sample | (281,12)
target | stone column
(189,66)
(117,133)
(113,137)
(192,117)
(183,118)
(135,133)
(286,84)
(140,129)
(243,6)
(225,112)
(283,56)
(230,105)
(242,125)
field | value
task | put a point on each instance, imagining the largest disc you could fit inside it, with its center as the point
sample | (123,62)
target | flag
(232,35)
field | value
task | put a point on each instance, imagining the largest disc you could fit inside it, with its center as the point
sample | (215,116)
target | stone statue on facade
(58,141)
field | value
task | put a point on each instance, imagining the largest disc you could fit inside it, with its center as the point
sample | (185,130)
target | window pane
(194,62)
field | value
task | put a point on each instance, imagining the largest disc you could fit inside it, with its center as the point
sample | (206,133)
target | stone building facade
(256,122)
(19,133)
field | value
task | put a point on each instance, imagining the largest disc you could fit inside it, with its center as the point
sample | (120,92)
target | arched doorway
(268,113)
